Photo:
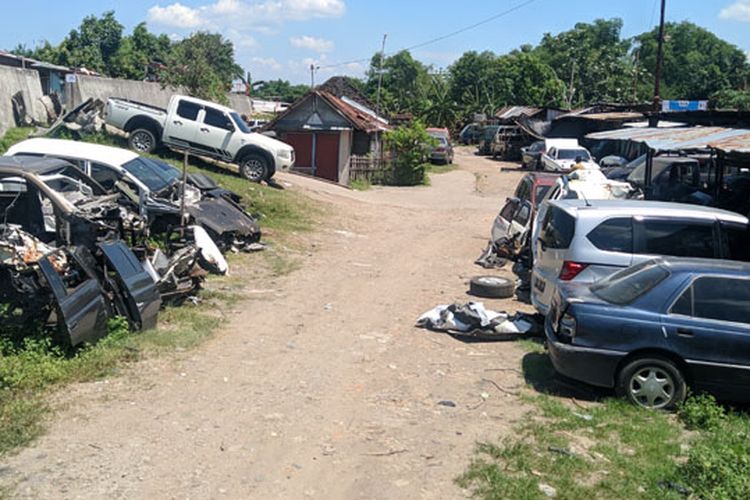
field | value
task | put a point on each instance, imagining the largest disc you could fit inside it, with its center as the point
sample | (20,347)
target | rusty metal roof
(361,117)
(508,112)
(675,139)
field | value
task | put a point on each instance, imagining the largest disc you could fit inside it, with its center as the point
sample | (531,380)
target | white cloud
(311,43)
(738,11)
(176,15)
(266,62)
(243,13)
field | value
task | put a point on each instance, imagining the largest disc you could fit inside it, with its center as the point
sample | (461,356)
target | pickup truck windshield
(572,154)
(240,122)
(155,175)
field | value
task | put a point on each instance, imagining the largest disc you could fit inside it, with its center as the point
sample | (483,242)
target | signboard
(239,87)
(70,78)
(676,106)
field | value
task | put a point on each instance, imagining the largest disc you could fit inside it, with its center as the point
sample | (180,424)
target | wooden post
(182,189)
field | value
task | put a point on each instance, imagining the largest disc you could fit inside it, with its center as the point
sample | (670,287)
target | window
(523,215)
(509,210)
(241,123)
(558,228)
(684,305)
(572,154)
(725,299)
(104,175)
(736,241)
(523,192)
(188,110)
(540,192)
(155,175)
(679,238)
(627,285)
(218,119)
(613,235)
(536,147)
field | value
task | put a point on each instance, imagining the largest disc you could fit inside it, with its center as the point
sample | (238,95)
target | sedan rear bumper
(593,366)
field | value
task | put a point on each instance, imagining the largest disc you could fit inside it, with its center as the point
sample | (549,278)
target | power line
(442,37)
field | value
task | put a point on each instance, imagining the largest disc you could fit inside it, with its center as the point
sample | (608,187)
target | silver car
(584,240)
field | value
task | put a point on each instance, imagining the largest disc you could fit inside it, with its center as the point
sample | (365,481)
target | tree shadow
(539,373)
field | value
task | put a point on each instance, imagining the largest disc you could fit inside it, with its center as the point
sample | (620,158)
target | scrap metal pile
(74,254)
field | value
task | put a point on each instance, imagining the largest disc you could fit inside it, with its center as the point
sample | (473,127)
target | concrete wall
(345,153)
(146,92)
(27,81)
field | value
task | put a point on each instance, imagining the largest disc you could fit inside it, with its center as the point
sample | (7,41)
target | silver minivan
(584,240)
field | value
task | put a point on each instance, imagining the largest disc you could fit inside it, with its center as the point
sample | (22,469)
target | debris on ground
(474,321)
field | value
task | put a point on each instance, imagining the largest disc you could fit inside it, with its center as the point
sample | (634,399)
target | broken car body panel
(141,295)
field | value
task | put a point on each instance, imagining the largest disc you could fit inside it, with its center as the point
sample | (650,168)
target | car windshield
(541,192)
(155,175)
(237,119)
(626,286)
(490,132)
(572,154)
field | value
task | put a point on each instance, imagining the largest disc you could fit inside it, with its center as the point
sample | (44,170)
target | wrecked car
(62,260)
(155,187)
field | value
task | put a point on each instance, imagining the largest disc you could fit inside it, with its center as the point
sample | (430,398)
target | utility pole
(380,73)
(659,60)
(312,76)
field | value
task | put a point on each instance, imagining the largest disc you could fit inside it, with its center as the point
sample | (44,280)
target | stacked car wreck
(90,232)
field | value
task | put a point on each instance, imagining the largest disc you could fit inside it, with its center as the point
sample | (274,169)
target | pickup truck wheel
(652,382)
(142,140)
(254,167)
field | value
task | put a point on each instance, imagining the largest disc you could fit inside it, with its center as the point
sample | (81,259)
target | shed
(326,131)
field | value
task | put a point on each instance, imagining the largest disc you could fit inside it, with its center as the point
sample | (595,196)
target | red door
(327,156)
(302,144)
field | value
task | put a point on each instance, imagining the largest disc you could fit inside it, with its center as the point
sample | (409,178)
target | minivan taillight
(571,269)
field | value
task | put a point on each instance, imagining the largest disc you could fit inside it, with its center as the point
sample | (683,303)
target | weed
(360,184)
(701,412)
(13,136)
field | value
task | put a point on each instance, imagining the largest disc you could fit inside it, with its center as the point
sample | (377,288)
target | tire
(142,140)
(493,287)
(652,382)
(254,167)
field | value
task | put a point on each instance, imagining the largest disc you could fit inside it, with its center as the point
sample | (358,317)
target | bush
(701,412)
(409,144)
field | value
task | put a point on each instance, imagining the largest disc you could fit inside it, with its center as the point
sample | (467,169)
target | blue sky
(280,38)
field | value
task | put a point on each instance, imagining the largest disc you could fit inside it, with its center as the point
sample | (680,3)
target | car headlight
(285,153)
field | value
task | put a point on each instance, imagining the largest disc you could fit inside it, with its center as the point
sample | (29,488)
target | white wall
(27,81)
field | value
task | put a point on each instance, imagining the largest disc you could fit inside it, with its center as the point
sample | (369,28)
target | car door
(502,221)
(552,245)
(708,325)
(215,131)
(183,124)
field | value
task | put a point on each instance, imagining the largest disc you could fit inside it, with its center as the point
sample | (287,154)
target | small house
(326,131)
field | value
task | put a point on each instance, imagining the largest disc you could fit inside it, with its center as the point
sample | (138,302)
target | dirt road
(320,388)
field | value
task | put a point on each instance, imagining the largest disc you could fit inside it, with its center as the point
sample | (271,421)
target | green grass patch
(608,448)
(432,168)
(13,136)
(360,184)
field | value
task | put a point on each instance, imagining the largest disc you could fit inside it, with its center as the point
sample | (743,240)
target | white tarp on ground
(473,318)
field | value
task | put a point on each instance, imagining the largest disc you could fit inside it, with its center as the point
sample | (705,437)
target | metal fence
(375,170)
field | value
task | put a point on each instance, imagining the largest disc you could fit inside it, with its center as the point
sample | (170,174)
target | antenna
(583,195)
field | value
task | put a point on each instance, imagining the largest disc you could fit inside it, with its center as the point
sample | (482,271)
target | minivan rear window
(558,228)
(626,286)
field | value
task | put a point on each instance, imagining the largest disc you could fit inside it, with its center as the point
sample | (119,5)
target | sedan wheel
(653,383)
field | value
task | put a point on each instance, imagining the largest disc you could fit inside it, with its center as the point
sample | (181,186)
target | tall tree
(93,44)
(592,59)
(697,63)
(404,81)
(280,89)
(204,64)
(137,51)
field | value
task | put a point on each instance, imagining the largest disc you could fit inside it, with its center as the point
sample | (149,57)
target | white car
(563,159)
(203,128)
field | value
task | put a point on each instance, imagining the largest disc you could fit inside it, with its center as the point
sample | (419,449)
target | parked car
(612,161)
(531,189)
(442,151)
(154,188)
(470,134)
(530,155)
(485,140)
(586,184)
(673,178)
(584,240)
(563,159)
(650,330)
(506,144)
(203,128)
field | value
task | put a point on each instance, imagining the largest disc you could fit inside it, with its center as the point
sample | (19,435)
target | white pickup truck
(203,128)
(560,155)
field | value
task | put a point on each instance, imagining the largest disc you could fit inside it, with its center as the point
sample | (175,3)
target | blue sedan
(651,330)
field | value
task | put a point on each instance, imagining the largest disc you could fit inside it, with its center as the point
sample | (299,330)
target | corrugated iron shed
(682,139)
(510,112)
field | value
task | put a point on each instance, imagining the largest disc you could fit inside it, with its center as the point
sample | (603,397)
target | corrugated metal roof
(674,139)
(509,112)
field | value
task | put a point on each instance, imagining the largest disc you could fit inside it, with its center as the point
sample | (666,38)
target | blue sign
(675,106)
